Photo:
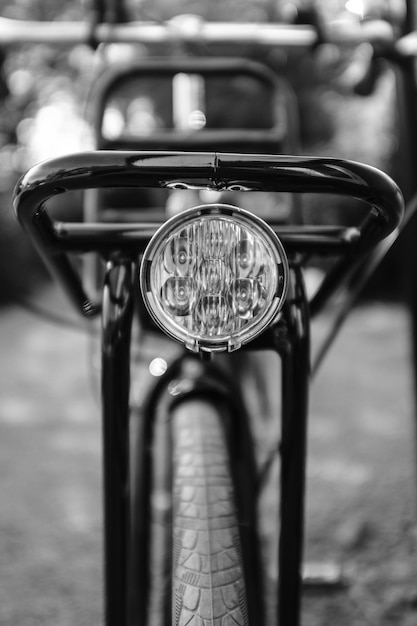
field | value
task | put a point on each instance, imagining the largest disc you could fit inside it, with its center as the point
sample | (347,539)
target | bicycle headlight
(214,277)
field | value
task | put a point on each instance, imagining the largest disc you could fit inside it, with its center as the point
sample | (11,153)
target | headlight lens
(214,277)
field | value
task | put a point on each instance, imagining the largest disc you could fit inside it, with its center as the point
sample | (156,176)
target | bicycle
(195,386)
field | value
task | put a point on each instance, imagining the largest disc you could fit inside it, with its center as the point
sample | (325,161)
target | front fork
(117,315)
(291,340)
(294,347)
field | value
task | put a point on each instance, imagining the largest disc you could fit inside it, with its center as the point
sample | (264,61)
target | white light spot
(158,367)
(355,6)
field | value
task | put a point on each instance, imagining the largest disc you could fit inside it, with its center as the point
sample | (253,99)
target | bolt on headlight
(214,277)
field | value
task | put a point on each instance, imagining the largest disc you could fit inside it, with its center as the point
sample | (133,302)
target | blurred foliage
(31,78)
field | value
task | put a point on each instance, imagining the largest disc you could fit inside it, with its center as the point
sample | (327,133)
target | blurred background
(45,104)
(361,482)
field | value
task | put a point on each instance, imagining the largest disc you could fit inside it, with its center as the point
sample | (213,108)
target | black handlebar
(216,171)
(182,170)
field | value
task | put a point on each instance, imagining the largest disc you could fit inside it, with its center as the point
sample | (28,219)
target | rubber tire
(208,585)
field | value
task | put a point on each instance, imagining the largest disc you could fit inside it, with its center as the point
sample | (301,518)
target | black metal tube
(117,320)
(359,278)
(133,237)
(318,175)
(333,279)
(348,298)
(218,171)
(196,170)
(295,382)
(269,140)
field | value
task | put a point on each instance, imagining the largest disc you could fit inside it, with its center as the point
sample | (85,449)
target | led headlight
(214,277)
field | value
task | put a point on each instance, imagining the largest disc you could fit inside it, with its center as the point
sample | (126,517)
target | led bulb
(177,296)
(214,277)
(247,256)
(178,256)
(245,297)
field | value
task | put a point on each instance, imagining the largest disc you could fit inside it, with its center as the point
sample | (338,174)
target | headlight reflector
(214,277)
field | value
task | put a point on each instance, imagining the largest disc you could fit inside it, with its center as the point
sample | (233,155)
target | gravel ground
(361,490)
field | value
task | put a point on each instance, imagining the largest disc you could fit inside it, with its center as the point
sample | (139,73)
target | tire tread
(208,577)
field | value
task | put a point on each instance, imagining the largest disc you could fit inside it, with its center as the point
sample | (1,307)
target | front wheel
(208,582)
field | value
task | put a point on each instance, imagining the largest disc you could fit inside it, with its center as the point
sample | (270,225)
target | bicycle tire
(208,583)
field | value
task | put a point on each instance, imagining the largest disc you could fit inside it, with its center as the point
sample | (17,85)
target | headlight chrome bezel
(236,218)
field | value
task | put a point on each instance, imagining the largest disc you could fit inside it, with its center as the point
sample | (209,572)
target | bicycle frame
(120,245)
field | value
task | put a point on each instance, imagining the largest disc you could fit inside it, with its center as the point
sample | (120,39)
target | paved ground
(361,504)
(362,495)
